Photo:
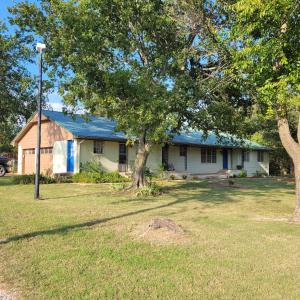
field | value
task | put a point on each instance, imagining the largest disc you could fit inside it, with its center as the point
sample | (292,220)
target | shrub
(261,174)
(239,167)
(184,176)
(62,178)
(30,179)
(98,177)
(148,174)
(92,166)
(151,189)
(172,177)
(242,174)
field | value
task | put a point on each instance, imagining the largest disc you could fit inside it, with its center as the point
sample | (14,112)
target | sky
(55,100)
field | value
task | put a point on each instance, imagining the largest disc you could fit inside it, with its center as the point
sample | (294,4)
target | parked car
(3,165)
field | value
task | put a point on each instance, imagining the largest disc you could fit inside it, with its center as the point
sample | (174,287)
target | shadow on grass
(67,228)
(189,191)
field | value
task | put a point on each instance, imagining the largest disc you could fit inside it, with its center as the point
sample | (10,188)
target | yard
(87,242)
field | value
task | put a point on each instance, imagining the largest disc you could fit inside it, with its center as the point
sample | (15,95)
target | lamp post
(39,48)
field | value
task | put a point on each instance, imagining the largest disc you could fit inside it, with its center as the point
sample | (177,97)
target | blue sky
(54,99)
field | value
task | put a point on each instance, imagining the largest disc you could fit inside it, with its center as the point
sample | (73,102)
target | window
(208,155)
(30,151)
(246,156)
(98,147)
(182,150)
(260,156)
(47,150)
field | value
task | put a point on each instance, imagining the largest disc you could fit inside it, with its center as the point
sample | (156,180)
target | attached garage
(26,141)
(29,160)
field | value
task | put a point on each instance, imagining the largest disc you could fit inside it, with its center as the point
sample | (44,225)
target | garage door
(29,160)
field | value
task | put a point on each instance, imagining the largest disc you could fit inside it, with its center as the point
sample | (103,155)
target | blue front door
(70,157)
(225,159)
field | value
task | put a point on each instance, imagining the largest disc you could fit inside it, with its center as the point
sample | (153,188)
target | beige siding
(195,165)
(108,160)
(154,160)
(253,165)
(110,156)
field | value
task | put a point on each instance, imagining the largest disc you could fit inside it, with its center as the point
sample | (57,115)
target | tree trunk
(296,216)
(139,179)
(293,149)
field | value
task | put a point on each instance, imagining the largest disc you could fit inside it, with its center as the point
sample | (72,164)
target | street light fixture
(39,48)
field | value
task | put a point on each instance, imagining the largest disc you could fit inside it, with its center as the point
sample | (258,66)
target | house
(68,142)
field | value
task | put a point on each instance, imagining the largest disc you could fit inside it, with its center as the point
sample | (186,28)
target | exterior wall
(77,155)
(194,164)
(20,159)
(253,165)
(60,157)
(154,159)
(50,133)
(110,157)
(108,160)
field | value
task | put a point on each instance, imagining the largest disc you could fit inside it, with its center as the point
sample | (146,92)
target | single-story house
(70,141)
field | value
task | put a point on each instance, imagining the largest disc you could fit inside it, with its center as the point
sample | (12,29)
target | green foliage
(151,189)
(30,179)
(92,166)
(242,174)
(17,87)
(267,53)
(172,177)
(239,167)
(98,177)
(260,174)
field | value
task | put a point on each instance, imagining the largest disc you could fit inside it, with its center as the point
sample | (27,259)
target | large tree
(133,61)
(264,37)
(17,88)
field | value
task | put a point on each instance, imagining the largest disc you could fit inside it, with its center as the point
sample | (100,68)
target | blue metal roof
(104,128)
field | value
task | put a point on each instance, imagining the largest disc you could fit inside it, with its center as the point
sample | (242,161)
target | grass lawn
(78,242)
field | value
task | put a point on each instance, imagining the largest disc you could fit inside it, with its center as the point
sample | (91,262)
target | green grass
(76,243)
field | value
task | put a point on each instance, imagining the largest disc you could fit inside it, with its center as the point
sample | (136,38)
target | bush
(184,177)
(239,167)
(151,189)
(148,174)
(261,174)
(242,174)
(172,177)
(98,177)
(62,178)
(30,179)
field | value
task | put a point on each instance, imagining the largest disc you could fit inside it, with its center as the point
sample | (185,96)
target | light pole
(39,47)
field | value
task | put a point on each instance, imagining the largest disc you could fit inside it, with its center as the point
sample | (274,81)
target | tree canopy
(264,39)
(17,86)
(146,64)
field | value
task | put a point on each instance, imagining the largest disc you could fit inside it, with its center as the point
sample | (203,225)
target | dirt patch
(160,231)
(222,185)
